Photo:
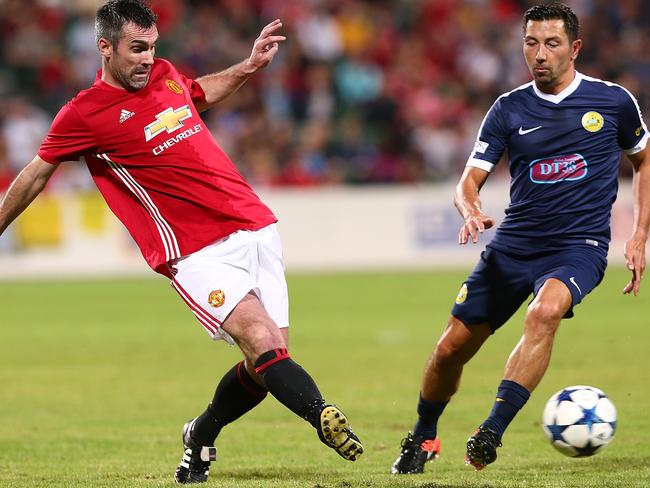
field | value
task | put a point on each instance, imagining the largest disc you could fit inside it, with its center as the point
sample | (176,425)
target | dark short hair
(553,11)
(112,16)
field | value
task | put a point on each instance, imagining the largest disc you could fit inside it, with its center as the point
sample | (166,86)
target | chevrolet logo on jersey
(169,120)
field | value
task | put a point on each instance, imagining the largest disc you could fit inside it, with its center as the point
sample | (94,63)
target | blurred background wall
(369,107)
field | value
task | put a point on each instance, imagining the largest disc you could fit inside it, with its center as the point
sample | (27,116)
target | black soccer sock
(428,415)
(511,397)
(236,394)
(291,385)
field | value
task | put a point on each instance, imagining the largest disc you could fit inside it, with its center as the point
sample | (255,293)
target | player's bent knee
(545,314)
(262,341)
(459,342)
(447,355)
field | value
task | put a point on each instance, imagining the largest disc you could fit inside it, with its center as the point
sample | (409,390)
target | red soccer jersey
(156,164)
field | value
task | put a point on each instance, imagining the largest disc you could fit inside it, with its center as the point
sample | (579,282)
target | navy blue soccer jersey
(563,152)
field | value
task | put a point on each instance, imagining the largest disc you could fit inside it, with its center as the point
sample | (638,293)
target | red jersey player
(192,215)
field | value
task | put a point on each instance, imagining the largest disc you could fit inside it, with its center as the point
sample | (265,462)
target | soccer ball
(579,420)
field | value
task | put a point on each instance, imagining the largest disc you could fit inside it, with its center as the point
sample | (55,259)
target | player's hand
(475,224)
(635,261)
(266,45)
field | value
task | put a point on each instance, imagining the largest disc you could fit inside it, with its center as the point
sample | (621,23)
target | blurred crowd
(363,91)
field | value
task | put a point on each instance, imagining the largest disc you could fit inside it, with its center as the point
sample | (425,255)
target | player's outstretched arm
(635,246)
(468,203)
(218,86)
(27,185)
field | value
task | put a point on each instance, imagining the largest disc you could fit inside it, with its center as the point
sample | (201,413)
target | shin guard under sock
(290,384)
(236,394)
(428,415)
(511,397)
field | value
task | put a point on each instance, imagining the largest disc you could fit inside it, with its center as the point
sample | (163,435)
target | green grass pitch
(97,378)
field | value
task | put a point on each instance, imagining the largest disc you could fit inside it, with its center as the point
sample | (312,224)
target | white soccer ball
(579,420)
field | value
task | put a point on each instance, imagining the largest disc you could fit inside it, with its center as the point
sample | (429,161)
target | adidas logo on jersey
(125,115)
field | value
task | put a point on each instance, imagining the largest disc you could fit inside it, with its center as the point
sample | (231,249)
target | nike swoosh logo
(572,280)
(523,132)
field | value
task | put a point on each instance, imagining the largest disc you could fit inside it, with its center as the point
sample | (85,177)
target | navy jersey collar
(563,94)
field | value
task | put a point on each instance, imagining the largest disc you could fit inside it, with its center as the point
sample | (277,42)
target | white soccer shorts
(213,281)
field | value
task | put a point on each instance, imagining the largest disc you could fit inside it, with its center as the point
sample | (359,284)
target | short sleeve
(491,140)
(632,131)
(196,92)
(68,139)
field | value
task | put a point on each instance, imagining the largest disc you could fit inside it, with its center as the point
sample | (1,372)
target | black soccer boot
(335,432)
(195,463)
(482,447)
(416,451)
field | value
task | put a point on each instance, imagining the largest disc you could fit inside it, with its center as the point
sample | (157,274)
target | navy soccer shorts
(501,282)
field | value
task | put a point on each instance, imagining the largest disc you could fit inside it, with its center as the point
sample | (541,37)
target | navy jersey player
(563,134)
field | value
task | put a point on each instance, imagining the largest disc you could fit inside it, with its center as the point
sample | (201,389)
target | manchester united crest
(174,86)
(216,298)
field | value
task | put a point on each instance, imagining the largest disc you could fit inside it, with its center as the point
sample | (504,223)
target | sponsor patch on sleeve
(481,146)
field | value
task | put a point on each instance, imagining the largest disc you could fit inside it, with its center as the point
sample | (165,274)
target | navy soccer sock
(429,413)
(290,384)
(511,397)
(236,394)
